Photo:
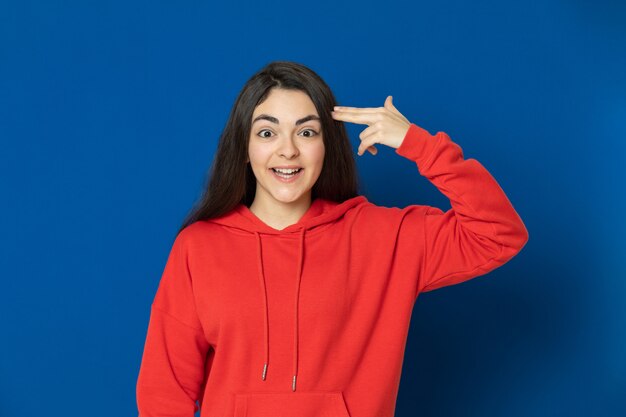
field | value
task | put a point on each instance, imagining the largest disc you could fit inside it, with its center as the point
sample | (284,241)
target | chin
(288,200)
(292,198)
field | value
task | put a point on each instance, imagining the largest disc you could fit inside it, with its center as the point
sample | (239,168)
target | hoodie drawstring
(266,324)
(297,302)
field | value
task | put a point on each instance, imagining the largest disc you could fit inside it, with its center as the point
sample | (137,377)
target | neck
(278,214)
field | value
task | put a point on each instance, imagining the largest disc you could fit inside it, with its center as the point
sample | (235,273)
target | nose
(287,147)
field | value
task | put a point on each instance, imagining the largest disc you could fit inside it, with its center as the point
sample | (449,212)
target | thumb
(389,105)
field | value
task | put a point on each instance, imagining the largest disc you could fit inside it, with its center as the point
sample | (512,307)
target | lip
(288,167)
(286,180)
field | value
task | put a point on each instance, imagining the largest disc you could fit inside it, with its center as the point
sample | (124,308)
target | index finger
(356,109)
(363,118)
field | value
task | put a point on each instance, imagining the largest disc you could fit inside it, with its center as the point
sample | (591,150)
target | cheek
(257,154)
(317,155)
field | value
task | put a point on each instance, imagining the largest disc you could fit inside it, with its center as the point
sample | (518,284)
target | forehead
(288,105)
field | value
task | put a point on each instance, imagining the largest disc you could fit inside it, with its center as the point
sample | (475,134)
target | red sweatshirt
(311,320)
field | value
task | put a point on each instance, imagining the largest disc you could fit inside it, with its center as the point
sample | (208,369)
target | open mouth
(287,174)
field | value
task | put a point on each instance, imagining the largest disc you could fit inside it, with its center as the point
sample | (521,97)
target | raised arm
(480,232)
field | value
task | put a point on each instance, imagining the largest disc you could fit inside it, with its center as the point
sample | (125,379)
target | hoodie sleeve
(171,374)
(481,231)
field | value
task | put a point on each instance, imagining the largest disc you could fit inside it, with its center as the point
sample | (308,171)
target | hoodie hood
(320,212)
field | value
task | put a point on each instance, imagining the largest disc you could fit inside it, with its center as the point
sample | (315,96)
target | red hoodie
(311,320)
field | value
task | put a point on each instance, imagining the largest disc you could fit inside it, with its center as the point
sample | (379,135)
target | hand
(386,125)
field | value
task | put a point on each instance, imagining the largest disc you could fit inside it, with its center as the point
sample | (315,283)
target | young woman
(288,294)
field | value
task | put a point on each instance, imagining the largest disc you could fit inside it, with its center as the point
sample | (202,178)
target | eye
(263,136)
(314,133)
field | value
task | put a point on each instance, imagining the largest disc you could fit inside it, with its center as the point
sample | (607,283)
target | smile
(287,177)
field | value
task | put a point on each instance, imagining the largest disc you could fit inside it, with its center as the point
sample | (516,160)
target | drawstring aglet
(293,385)
(264,371)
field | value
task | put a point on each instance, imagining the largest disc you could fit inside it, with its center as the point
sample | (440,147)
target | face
(285,137)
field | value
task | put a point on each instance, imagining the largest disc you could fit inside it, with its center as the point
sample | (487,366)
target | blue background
(109,118)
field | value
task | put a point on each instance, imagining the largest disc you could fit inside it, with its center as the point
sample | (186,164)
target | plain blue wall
(109,118)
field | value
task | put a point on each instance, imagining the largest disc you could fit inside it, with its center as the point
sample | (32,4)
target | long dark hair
(231,180)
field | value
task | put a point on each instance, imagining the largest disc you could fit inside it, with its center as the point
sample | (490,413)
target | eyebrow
(275,120)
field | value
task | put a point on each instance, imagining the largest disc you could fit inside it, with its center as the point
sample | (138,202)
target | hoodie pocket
(291,404)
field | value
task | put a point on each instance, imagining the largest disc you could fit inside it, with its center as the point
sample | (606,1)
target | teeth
(286,171)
